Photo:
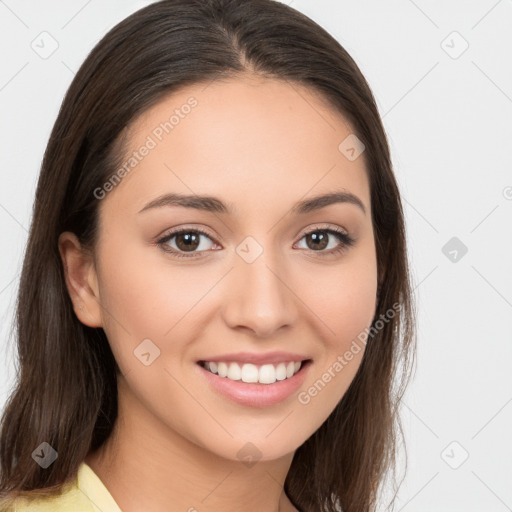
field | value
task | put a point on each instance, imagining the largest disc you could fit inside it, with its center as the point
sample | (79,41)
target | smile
(248,372)
(264,385)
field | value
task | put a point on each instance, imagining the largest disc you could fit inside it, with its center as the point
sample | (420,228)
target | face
(252,275)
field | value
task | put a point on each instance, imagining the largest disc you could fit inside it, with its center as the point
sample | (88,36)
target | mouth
(250,373)
(264,385)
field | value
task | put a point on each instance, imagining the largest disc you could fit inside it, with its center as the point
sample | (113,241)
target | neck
(146,465)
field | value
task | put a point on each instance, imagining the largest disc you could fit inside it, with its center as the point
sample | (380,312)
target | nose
(259,297)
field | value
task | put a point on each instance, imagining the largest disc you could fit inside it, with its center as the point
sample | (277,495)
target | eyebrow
(215,205)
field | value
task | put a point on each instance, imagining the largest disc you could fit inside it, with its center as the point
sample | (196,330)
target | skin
(260,145)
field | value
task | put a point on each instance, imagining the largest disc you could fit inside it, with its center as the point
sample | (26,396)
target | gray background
(447,110)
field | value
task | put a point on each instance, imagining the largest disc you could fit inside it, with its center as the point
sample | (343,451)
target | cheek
(352,304)
(344,302)
(344,298)
(346,312)
(135,299)
(145,297)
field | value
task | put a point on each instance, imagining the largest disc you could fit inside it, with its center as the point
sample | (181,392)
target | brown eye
(318,240)
(186,241)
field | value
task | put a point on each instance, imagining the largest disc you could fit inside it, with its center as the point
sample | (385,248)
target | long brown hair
(66,390)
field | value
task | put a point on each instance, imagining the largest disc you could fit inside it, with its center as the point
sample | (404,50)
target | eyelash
(346,241)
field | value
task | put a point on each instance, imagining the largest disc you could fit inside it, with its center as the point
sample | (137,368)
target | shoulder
(86,493)
(71,499)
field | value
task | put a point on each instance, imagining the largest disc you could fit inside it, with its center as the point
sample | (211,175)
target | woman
(215,310)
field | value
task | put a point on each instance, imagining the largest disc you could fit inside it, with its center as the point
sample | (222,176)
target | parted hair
(66,375)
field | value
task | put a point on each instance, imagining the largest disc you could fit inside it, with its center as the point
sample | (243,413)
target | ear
(81,280)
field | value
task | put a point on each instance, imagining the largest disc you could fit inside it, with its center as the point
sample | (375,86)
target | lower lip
(254,394)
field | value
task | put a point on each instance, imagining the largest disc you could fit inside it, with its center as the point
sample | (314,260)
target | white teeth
(265,374)
(281,371)
(249,373)
(234,372)
(222,369)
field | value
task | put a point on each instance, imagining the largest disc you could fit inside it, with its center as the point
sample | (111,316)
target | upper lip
(256,358)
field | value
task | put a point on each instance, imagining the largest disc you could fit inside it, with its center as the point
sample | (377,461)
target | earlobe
(81,279)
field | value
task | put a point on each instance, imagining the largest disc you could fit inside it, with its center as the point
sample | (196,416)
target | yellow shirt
(86,494)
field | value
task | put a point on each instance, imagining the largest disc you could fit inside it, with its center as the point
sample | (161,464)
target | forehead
(245,139)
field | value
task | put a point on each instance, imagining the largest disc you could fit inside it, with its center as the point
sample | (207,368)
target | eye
(320,238)
(187,240)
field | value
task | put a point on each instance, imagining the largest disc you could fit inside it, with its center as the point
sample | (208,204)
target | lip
(259,359)
(255,394)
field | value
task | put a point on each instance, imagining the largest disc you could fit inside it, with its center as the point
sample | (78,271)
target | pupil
(189,241)
(319,238)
